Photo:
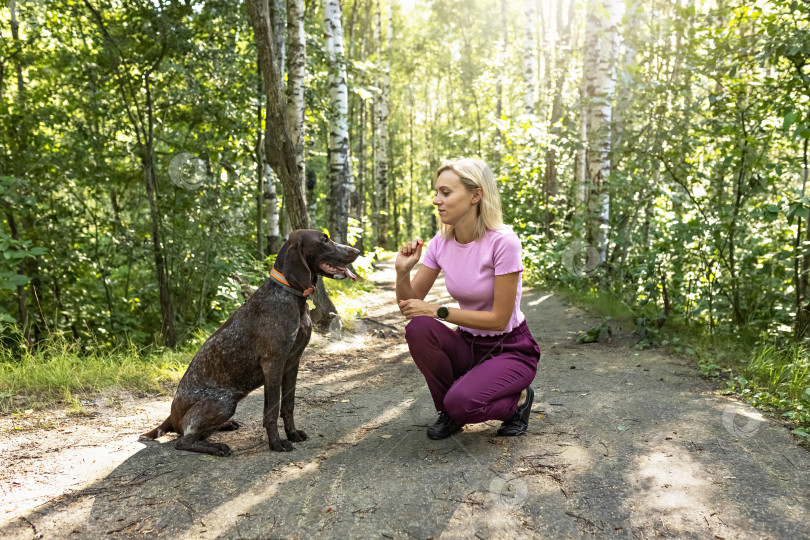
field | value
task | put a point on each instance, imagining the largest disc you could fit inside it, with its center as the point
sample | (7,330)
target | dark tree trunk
(802,256)
(166,307)
(279,146)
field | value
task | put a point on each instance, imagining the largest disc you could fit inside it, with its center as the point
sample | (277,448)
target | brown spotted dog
(261,343)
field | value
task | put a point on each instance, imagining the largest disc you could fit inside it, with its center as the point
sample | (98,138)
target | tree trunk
(528,57)
(581,199)
(260,253)
(800,253)
(601,52)
(166,306)
(340,177)
(555,127)
(381,132)
(278,23)
(351,25)
(271,212)
(502,60)
(296,79)
(279,147)
(360,202)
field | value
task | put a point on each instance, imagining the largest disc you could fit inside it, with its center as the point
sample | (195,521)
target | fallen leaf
(386,436)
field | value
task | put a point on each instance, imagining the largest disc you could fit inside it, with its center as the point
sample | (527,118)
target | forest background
(652,156)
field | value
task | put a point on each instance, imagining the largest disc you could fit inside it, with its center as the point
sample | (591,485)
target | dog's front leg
(273,372)
(288,399)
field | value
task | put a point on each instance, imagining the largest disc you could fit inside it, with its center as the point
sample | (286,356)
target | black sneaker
(519,423)
(444,427)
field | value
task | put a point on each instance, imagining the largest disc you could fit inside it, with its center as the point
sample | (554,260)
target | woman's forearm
(480,320)
(404,287)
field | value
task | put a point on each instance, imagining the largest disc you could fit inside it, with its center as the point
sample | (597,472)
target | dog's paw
(296,435)
(230,425)
(280,445)
(220,449)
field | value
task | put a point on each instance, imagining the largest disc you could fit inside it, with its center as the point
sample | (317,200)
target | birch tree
(381,130)
(340,177)
(599,83)
(296,79)
(555,128)
(528,57)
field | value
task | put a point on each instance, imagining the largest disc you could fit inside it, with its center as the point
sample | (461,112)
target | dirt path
(624,443)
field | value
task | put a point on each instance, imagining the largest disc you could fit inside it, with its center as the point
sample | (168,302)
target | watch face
(443,312)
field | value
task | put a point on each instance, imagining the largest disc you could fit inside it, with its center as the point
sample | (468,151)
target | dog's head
(309,253)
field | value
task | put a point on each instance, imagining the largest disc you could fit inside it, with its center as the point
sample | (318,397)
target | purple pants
(473,378)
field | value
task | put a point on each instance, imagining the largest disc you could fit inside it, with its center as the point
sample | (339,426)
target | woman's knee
(461,407)
(419,328)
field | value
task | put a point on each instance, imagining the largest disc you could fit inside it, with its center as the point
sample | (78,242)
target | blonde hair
(475,174)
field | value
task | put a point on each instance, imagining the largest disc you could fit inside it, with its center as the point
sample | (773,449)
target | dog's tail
(161,430)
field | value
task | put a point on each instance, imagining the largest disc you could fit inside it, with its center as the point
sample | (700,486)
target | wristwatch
(442,313)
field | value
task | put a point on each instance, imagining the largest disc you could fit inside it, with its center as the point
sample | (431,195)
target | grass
(58,372)
(594,301)
(777,379)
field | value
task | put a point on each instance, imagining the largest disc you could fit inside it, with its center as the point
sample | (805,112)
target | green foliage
(594,334)
(777,379)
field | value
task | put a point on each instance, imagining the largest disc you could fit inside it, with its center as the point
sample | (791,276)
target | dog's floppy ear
(294,262)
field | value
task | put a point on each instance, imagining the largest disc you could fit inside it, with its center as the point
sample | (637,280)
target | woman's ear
(478,194)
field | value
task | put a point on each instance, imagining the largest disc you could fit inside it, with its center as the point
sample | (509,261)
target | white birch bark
(528,57)
(296,79)
(381,132)
(340,177)
(271,209)
(599,80)
(268,205)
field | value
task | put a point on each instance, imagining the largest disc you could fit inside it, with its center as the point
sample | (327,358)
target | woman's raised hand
(409,254)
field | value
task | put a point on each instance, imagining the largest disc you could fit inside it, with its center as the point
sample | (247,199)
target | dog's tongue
(348,273)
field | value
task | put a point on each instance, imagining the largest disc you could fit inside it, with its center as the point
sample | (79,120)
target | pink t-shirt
(470,270)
